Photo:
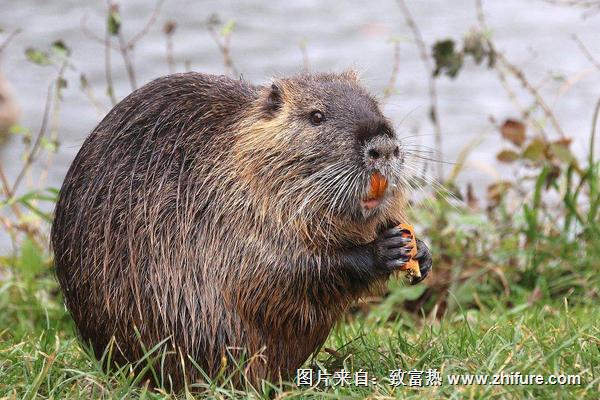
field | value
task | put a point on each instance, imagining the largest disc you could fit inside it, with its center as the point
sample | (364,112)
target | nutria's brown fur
(226,218)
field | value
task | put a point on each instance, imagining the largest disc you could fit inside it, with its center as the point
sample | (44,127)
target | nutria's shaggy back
(228,220)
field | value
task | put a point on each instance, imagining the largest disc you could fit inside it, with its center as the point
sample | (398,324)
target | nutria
(229,221)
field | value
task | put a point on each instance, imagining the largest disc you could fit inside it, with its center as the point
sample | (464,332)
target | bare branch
(88,32)
(389,88)
(431,82)
(169,29)
(305,60)
(593,133)
(125,50)
(110,87)
(149,23)
(518,74)
(586,52)
(38,140)
(8,193)
(224,45)
(8,39)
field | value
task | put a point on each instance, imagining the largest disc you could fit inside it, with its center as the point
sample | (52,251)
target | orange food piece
(412,266)
(378,186)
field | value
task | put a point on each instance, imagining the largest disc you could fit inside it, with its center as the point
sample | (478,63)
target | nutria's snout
(381,153)
(382,158)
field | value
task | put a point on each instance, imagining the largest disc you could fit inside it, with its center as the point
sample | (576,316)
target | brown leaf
(169,27)
(563,141)
(507,156)
(472,200)
(552,176)
(513,131)
(496,191)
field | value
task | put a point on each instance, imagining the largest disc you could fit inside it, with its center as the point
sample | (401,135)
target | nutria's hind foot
(425,262)
(392,249)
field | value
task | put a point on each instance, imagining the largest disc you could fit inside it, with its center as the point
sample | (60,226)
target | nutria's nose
(385,150)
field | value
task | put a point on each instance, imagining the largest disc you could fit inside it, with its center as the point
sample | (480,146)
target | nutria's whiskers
(217,219)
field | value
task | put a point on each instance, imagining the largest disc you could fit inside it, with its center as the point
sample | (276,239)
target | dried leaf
(564,141)
(83,80)
(472,200)
(169,27)
(507,156)
(552,176)
(513,131)
(496,191)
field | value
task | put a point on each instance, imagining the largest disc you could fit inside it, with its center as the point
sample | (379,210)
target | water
(339,34)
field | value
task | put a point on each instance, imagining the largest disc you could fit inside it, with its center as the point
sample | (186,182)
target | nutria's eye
(316,117)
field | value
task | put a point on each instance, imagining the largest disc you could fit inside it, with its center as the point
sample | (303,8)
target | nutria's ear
(274,99)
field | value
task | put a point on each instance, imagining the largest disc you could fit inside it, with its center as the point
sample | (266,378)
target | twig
(431,82)
(592,6)
(148,24)
(226,52)
(579,3)
(389,89)
(125,50)
(126,47)
(8,193)
(101,109)
(110,87)
(586,52)
(54,124)
(518,74)
(169,30)
(169,55)
(593,133)
(88,32)
(304,51)
(38,140)
(224,47)
(131,42)
(502,76)
(8,39)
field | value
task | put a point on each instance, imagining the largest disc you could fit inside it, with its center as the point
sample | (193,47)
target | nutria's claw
(392,249)
(425,262)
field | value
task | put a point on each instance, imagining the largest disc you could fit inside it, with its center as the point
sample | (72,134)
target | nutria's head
(324,156)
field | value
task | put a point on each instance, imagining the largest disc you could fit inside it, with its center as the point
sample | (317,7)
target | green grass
(514,290)
(544,325)
(40,357)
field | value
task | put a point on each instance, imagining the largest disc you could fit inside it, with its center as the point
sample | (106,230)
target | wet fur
(201,211)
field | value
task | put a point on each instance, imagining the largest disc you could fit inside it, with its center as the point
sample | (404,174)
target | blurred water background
(533,34)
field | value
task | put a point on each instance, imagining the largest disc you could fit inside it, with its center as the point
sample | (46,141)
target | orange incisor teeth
(378,186)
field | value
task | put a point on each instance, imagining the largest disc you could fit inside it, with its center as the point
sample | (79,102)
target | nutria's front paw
(392,249)
(425,262)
